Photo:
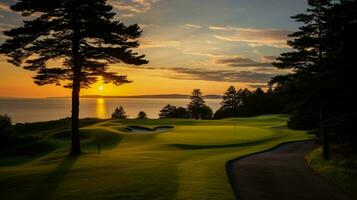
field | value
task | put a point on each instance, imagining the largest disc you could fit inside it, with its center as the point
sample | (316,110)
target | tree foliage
(231,100)
(79,34)
(249,103)
(5,122)
(142,115)
(197,107)
(119,113)
(319,91)
(170,111)
(81,37)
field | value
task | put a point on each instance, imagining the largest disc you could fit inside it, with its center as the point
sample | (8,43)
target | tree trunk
(75,148)
(325,145)
(324,137)
(76,67)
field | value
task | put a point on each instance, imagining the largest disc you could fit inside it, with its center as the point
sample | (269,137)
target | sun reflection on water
(101,109)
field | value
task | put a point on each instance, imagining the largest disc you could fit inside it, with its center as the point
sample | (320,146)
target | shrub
(206,112)
(142,115)
(173,112)
(5,121)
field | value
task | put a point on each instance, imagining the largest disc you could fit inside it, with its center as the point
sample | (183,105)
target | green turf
(341,169)
(187,162)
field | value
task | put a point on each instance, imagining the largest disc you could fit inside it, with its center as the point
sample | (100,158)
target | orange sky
(186,45)
(16,82)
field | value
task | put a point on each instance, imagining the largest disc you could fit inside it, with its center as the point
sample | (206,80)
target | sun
(100,88)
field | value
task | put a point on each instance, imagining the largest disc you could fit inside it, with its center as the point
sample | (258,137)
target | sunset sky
(206,44)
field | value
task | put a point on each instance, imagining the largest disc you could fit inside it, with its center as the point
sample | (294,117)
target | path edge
(229,163)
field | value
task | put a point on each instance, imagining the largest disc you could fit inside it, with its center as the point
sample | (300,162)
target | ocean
(23,110)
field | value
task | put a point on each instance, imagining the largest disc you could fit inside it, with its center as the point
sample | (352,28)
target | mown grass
(341,169)
(187,162)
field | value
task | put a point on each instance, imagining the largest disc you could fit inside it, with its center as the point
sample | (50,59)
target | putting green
(186,162)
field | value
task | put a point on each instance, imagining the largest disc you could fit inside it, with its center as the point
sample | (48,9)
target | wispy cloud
(253,37)
(222,28)
(255,86)
(241,62)
(193,26)
(203,53)
(147,43)
(132,7)
(4,7)
(270,58)
(182,73)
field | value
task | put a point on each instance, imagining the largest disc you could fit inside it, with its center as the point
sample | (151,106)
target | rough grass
(341,169)
(187,162)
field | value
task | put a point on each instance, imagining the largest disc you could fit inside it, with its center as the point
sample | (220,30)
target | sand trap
(145,130)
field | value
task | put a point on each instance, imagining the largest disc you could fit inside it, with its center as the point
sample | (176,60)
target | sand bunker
(143,130)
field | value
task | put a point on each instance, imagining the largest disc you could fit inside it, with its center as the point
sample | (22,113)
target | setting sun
(100,88)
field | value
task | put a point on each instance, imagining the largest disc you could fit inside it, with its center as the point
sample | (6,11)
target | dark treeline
(246,103)
(320,90)
(235,103)
(196,109)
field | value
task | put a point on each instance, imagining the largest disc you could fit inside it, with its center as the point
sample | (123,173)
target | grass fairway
(187,162)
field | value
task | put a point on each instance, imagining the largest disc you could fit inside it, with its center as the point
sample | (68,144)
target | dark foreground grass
(186,162)
(341,169)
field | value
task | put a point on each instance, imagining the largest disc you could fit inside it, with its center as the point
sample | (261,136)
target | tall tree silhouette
(229,105)
(80,34)
(196,105)
(339,76)
(230,100)
(119,113)
(306,88)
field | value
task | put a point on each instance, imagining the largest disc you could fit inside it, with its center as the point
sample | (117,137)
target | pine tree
(167,111)
(259,91)
(230,104)
(230,100)
(119,113)
(196,104)
(305,88)
(80,34)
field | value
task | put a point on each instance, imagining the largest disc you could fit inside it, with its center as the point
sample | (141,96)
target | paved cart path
(280,174)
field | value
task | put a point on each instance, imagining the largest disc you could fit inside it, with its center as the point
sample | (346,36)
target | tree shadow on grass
(48,185)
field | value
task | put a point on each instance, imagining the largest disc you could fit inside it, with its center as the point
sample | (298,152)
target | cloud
(253,37)
(147,43)
(202,53)
(4,7)
(132,7)
(269,69)
(241,62)
(258,86)
(193,26)
(270,58)
(144,26)
(222,28)
(218,75)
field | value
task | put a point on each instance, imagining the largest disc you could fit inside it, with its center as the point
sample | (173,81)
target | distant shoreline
(159,96)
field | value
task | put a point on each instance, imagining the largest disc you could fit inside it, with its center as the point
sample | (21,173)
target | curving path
(280,174)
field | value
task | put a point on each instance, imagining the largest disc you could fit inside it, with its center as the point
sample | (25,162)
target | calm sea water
(34,110)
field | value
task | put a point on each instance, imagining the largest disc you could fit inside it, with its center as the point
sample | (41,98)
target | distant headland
(153,96)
